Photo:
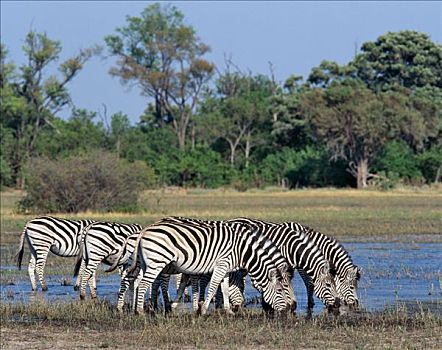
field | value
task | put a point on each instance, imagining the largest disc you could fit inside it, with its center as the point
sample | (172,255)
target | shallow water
(393,273)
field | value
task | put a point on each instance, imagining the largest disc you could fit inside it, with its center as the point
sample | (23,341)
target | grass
(97,325)
(345,214)
(348,215)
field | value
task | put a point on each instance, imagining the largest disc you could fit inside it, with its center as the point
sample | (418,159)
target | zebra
(106,242)
(299,252)
(236,284)
(347,274)
(44,234)
(218,248)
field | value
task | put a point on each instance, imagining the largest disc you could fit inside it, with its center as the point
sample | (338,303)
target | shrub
(306,167)
(430,164)
(397,160)
(97,181)
(5,173)
(199,167)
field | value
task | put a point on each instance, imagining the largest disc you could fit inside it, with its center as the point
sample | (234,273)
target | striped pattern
(346,273)
(104,242)
(299,252)
(236,289)
(48,234)
(218,249)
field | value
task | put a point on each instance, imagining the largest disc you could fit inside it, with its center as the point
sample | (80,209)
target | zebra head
(347,284)
(275,294)
(325,287)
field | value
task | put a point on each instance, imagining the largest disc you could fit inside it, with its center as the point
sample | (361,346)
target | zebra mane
(255,235)
(317,236)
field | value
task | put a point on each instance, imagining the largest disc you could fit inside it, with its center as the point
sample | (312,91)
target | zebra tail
(117,260)
(79,258)
(78,264)
(21,249)
(135,252)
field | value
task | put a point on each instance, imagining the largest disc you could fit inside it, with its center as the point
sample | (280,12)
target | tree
(119,127)
(31,99)
(290,127)
(406,58)
(163,57)
(355,123)
(78,134)
(237,112)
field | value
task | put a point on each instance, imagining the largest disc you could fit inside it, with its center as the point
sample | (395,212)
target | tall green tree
(163,56)
(406,58)
(238,112)
(355,123)
(79,134)
(31,98)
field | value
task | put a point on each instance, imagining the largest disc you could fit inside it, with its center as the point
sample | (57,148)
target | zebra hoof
(82,297)
(76,288)
(44,289)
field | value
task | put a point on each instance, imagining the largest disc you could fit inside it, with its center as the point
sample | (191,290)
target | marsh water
(393,274)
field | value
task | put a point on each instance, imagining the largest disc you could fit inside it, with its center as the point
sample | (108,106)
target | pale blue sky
(294,36)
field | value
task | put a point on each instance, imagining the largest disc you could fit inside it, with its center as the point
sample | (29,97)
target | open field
(350,216)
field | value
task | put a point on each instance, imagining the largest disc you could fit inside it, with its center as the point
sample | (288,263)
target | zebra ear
(332,269)
(358,273)
(272,275)
(284,268)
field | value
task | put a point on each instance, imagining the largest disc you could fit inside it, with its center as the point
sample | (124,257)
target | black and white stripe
(347,273)
(218,249)
(104,242)
(48,234)
(236,289)
(288,235)
(299,252)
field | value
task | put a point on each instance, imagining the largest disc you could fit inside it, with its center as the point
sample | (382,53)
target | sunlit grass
(344,214)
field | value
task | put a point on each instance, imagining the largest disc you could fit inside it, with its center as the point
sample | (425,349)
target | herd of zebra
(217,254)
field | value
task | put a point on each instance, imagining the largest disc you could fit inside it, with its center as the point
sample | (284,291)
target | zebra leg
(225,291)
(203,282)
(218,275)
(32,274)
(137,279)
(126,281)
(236,290)
(194,280)
(183,279)
(218,298)
(89,271)
(154,292)
(93,284)
(80,273)
(165,292)
(153,269)
(309,287)
(40,267)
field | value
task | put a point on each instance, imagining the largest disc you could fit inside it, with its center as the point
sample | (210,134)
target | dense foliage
(97,181)
(375,120)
